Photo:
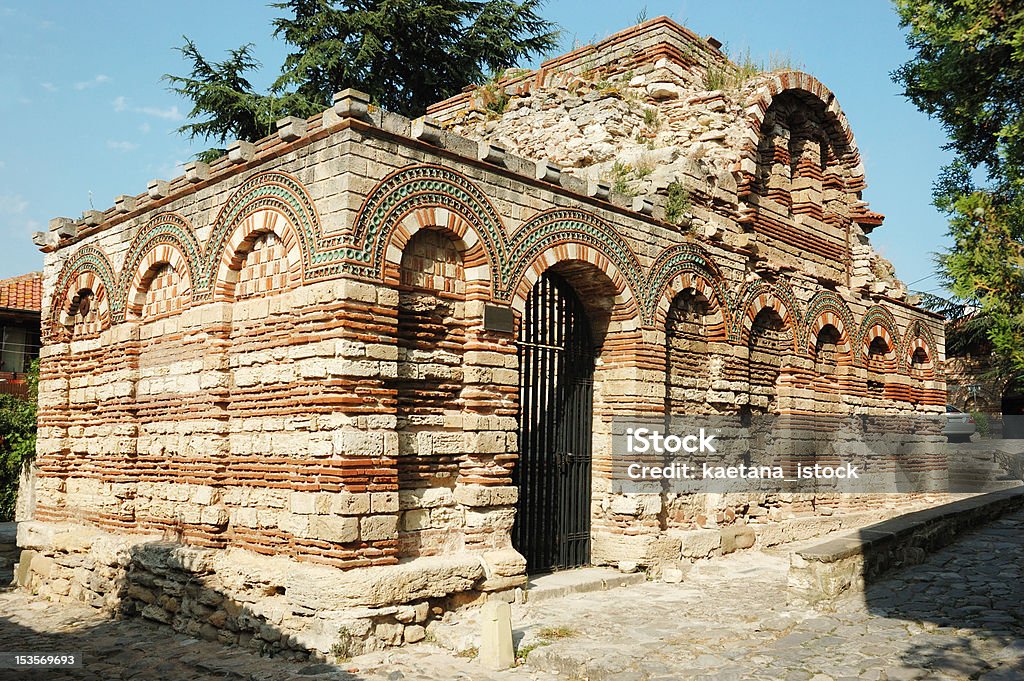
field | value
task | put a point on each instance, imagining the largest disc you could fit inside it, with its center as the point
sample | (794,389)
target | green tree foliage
(17,441)
(968,72)
(406,54)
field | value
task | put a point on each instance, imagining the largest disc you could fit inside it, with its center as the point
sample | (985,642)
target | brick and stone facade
(271,411)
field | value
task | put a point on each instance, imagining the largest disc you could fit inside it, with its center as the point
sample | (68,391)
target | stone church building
(363,371)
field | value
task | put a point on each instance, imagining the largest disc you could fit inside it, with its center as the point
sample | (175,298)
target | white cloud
(121,145)
(145,128)
(3,164)
(12,204)
(98,79)
(49,87)
(171,114)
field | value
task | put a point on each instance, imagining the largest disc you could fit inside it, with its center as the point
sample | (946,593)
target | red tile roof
(24,292)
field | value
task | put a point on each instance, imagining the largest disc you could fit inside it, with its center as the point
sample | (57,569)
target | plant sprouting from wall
(677,204)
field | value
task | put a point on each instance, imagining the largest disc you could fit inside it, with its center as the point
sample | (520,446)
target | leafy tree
(968,72)
(17,441)
(406,54)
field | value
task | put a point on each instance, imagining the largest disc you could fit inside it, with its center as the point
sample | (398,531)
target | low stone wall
(820,573)
(272,604)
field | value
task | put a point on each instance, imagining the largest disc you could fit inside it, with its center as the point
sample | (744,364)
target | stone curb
(821,573)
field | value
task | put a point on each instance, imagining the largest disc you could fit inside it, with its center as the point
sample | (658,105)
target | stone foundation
(274,605)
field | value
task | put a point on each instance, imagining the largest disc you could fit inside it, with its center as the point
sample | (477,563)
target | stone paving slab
(583,580)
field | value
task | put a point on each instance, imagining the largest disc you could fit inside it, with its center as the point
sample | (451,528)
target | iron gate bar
(556,359)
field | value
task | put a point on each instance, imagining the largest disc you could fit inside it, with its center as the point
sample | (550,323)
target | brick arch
(719,323)
(917,335)
(827,308)
(760,100)
(86,260)
(263,193)
(624,298)
(464,235)
(877,322)
(680,267)
(170,232)
(86,281)
(417,196)
(248,228)
(570,234)
(759,296)
(157,256)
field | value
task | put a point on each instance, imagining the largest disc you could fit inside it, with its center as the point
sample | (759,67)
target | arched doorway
(556,380)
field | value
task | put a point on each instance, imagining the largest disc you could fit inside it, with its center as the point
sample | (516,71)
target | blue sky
(86,116)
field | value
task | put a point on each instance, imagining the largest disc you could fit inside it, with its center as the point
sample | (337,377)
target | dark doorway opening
(556,386)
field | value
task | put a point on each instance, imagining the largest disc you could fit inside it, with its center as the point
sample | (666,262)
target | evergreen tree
(406,54)
(968,72)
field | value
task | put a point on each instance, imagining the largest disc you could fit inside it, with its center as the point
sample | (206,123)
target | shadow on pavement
(132,647)
(968,599)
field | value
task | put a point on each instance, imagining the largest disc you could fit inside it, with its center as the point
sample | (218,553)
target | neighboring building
(364,370)
(976,384)
(21,298)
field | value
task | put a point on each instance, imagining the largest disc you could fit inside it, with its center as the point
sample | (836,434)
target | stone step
(581,580)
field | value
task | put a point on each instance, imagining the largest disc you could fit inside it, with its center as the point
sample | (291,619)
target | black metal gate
(556,385)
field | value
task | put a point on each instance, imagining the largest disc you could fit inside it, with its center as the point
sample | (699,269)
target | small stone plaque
(499,318)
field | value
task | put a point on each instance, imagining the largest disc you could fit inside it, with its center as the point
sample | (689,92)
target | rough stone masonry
(276,408)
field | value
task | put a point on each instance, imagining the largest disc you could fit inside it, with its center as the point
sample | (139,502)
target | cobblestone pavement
(958,616)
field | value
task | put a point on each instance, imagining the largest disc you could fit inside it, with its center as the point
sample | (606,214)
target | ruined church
(364,371)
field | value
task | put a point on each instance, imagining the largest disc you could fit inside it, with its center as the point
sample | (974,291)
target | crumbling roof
(24,292)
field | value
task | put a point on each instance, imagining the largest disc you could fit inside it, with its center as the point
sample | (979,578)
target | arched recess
(827,308)
(815,97)
(167,364)
(432,442)
(564,234)
(615,312)
(85,309)
(759,295)
(693,327)
(877,322)
(769,341)
(920,361)
(827,352)
(428,195)
(247,371)
(464,236)
(801,175)
(830,347)
(169,238)
(87,269)
(680,267)
(880,361)
(160,285)
(268,201)
(262,256)
(917,352)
